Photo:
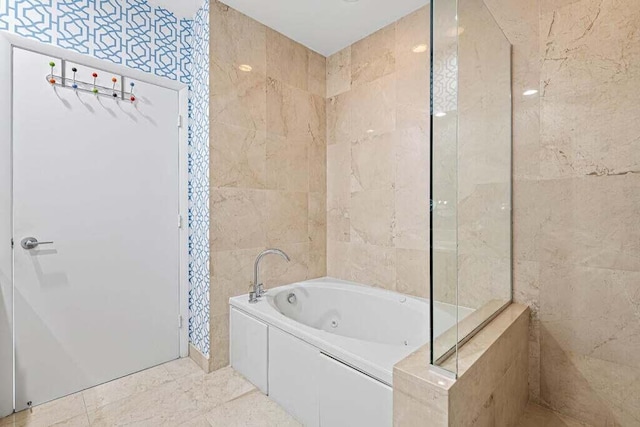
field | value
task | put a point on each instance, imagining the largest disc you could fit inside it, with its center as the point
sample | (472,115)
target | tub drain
(334,323)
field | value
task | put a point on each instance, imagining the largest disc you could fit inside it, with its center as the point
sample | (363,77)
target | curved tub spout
(258,288)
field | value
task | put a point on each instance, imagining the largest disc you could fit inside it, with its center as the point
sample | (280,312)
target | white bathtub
(312,344)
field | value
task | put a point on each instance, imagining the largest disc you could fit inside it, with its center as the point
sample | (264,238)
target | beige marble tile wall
(378,158)
(491,389)
(268,161)
(577,201)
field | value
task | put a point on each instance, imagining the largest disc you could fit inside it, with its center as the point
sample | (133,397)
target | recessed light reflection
(529,92)
(455,31)
(244,67)
(420,48)
(440,114)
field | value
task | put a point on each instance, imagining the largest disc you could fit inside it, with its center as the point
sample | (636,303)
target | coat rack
(116,91)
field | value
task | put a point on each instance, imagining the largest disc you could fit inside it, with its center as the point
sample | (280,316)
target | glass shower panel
(471,173)
(444,166)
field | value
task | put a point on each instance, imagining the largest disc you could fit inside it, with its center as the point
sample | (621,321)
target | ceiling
(182,8)
(325,26)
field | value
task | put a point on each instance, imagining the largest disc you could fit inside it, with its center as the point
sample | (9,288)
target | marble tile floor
(537,416)
(177,393)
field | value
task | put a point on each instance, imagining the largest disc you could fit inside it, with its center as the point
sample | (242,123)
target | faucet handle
(260,290)
(253,298)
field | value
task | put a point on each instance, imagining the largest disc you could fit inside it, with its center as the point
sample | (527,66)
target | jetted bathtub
(324,349)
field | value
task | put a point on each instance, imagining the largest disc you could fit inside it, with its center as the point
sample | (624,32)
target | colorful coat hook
(95,88)
(52,80)
(85,86)
(133,98)
(74,84)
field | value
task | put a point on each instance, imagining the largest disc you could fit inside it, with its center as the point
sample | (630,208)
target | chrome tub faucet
(258,287)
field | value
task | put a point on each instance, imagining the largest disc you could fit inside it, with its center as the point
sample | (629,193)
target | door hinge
(11,243)
(180,120)
(180,322)
(179,221)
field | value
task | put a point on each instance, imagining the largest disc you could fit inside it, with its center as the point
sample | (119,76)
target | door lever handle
(32,243)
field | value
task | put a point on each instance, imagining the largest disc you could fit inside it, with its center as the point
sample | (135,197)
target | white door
(99,178)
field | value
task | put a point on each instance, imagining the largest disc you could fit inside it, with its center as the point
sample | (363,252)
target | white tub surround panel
(249,350)
(294,375)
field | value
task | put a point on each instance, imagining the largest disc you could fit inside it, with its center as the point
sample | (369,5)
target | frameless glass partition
(470,174)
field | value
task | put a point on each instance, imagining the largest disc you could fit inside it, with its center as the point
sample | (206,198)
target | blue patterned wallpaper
(127,32)
(199,184)
(151,39)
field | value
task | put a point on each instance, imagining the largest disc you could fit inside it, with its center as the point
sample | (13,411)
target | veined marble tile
(125,387)
(588,221)
(411,218)
(484,221)
(238,98)
(238,157)
(200,421)
(372,217)
(338,192)
(413,31)
(338,260)
(219,333)
(287,163)
(372,108)
(482,279)
(293,112)
(317,159)
(592,311)
(567,387)
(69,410)
(412,272)
(374,56)
(163,405)
(373,163)
(413,98)
(526,138)
(232,273)
(251,410)
(373,265)
(181,367)
(239,219)
(412,155)
(317,74)
(526,290)
(287,217)
(207,391)
(339,72)
(590,74)
(317,226)
(226,45)
(588,43)
(536,416)
(338,111)
(287,60)
(601,141)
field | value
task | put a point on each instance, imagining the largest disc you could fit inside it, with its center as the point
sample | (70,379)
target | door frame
(8,41)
